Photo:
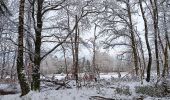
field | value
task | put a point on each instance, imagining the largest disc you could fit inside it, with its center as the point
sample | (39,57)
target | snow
(61,77)
(68,94)
(56,76)
(106,87)
(10,87)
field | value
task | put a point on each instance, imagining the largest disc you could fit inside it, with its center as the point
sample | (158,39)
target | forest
(84,49)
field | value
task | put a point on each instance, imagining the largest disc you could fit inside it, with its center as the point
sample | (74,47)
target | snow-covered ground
(105,88)
(67,94)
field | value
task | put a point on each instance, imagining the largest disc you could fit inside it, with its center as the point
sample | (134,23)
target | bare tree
(165,68)
(147,41)
(41,10)
(118,15)
(20,66)
(76,51)
(132,37)
(155,23)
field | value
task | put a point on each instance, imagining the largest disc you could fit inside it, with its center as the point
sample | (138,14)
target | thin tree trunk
(165,24)
(3,63)
(65,60)
(166,36)
(20,66)
(143,57)
(147,42)
(155,23)
(165,69)
(140,67)
(94,52)
(76,51)
(13,65)
(37,57)
(132,38)
(29,56)
(73,54)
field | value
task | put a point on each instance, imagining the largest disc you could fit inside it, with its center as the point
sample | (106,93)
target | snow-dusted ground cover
(107,87)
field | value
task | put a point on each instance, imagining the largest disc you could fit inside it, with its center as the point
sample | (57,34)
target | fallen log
(3,92)
(56,82)
(100,98)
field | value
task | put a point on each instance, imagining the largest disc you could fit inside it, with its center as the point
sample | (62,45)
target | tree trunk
(155,23)
(76,51)
(94,52)
(147,42)
(3,63)
(65,60)
(165,24)
(13,65)
(73,54)
(134,50)
(165,69)
(37,57)
(143,57)
(20,68)
(28,43)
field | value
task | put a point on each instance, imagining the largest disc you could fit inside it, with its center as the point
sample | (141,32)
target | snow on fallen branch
(56,82)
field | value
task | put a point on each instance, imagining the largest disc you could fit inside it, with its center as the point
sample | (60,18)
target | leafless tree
(20,66)
(147,41)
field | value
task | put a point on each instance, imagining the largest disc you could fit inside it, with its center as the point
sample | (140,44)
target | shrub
(123,90)
(150,90)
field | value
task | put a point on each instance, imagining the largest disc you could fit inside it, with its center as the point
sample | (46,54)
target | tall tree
(147,41)
(76,51)
(38,13)
(165,68)
(134,48)
(20,66)
(35,85)
(116,14)
(38,25)
(155,23)
(165,20)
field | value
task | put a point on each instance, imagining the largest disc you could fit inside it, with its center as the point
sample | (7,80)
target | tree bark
(155,23)
(165,69)
(143,57)
(37,56)
(65,60)
(29,44)
(134,50)
(76,51)
(147,42)
(165,23)
(20,68)
(3,62)
(94,52)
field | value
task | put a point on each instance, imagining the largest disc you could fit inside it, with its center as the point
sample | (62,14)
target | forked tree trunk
(20,68)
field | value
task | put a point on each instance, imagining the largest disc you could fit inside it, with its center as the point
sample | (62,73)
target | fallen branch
(56,82)
(100,98)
